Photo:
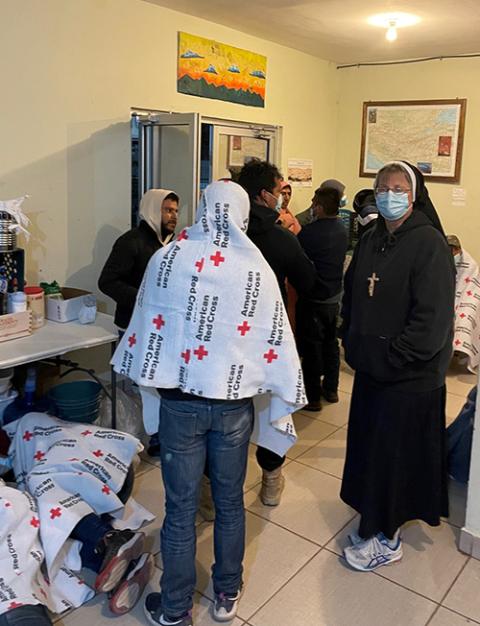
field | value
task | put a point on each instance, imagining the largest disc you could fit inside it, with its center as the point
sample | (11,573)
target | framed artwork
(243,149)
(426,133)
(210,69)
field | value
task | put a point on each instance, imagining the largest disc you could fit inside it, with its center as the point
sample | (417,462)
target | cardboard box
(68,309)
(15,325)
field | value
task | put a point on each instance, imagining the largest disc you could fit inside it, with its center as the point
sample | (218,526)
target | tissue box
(68,309)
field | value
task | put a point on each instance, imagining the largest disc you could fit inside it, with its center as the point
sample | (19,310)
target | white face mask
(279,201)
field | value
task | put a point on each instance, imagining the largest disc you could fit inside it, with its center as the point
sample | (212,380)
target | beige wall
(71,71)
(436,79)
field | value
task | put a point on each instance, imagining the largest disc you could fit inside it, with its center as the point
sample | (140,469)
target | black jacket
(325,242)
(402,335)
(281,251)
(124,269)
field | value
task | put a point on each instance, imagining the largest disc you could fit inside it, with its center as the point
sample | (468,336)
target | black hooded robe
(398,339)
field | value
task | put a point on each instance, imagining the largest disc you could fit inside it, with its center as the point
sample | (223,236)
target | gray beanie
(335,184)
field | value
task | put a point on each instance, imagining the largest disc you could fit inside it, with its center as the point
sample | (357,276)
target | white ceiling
(337,30)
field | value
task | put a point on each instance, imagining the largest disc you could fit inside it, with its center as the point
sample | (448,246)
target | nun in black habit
(398,312)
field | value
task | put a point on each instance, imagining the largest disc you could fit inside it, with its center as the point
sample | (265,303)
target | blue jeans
(190,431)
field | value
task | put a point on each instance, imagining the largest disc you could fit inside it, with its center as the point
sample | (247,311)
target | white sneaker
(225,606)
(368,555)
(355,539)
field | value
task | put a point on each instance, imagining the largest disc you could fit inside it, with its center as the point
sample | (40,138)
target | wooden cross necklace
(371,283)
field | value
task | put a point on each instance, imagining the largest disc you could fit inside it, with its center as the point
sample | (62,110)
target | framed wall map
(427,133)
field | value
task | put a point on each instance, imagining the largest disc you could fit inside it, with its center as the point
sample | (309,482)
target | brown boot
(206,508)
(273,484)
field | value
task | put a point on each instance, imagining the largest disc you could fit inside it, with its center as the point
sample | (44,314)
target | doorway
(186,152)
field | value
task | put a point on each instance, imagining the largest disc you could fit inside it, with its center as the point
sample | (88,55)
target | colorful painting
(210,69)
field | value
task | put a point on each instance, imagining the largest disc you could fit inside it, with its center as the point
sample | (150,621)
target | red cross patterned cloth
(22,580)
(209,320)
(467,310)
(70,470)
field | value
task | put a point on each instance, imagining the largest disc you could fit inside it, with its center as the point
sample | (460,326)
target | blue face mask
(343,201)
(392,206)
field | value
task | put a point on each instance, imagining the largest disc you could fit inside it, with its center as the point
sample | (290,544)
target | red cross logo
(15,605)
(468,280)
(98,453)
(132,340)
(217,258)
(158,321)
(35,522)
(55,513)
(462,315)
(458,342)
(186,356)
(86,432)
(270,356)
(27,435)
(244,328)
(200,353)
(199,265)
(106,490)
(469,293)
(182,235)
(39,455)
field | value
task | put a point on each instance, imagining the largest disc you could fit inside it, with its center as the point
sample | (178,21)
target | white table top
(55,339)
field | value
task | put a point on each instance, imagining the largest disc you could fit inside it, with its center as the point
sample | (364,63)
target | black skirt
(395,470)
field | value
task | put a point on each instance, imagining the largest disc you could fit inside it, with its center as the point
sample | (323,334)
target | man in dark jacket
(325,241)
(283,253)
(124,269)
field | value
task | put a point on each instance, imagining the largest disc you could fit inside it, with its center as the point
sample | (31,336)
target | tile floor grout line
(470,619)
(318,470)
(452,585)
(394,582)
(314,543)
(315,444)
(284,584)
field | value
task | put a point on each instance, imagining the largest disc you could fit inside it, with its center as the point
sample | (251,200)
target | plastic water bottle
(30,387)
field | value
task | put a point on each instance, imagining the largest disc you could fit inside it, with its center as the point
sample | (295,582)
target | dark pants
(268,460)
(318,346)
(91,528)
(28,615)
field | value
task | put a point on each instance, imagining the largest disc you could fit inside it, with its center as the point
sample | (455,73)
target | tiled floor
(294,573)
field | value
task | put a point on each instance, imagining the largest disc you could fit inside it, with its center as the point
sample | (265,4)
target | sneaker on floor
(313,406)
(355,538)
(206,507)
(118,548)
(330,396)
(155,617)
(368,555)
(273,483)
(225,606)
(131,588)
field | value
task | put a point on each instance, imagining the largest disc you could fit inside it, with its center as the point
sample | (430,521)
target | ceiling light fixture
(391,34)
(392,21)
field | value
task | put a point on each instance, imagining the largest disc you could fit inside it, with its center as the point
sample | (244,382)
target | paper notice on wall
(300,172)
(459,196)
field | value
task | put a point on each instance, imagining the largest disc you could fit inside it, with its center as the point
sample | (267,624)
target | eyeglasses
(396,190)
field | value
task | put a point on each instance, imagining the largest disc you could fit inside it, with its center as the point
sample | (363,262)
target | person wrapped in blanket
(71,509)
(459,439)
